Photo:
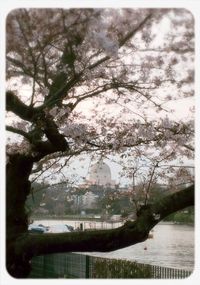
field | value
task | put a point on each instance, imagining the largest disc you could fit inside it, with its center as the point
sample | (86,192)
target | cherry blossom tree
(99,82)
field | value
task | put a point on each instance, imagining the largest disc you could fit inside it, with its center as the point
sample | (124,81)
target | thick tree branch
(52,133)
(15,105)
(57,141)
(18,131)
(174,202)
(108,240)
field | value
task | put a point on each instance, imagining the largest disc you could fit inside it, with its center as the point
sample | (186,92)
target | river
(171,245)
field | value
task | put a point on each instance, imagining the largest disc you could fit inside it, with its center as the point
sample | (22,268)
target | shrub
(115,268)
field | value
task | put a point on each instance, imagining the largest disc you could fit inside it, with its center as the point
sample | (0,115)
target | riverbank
(93,218)
(69,218)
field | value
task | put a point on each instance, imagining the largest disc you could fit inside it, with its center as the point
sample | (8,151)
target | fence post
(87,266)
(81,227)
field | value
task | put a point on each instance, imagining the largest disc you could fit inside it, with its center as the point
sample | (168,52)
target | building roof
(100,174)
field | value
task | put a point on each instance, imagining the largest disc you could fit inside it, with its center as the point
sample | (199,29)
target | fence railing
(71,265)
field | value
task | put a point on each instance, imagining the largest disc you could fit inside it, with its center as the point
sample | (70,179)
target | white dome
(100,174)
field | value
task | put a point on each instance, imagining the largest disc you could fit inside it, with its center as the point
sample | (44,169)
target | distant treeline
(185,216)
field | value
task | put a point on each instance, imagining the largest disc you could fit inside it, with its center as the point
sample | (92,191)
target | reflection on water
(171,246)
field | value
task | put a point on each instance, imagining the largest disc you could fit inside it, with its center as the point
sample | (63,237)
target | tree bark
(17,188)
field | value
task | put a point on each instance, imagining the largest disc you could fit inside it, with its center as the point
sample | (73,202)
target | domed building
(100,174)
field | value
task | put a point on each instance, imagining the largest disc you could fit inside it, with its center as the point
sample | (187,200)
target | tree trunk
(17,188)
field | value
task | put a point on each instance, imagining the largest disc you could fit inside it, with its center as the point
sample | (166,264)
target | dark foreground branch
(107,240)
(15,105)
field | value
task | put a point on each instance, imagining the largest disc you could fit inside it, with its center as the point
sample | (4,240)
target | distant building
(100,174)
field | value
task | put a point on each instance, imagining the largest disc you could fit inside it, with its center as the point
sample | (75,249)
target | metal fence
(159,272)
(61,265)
(71,265)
